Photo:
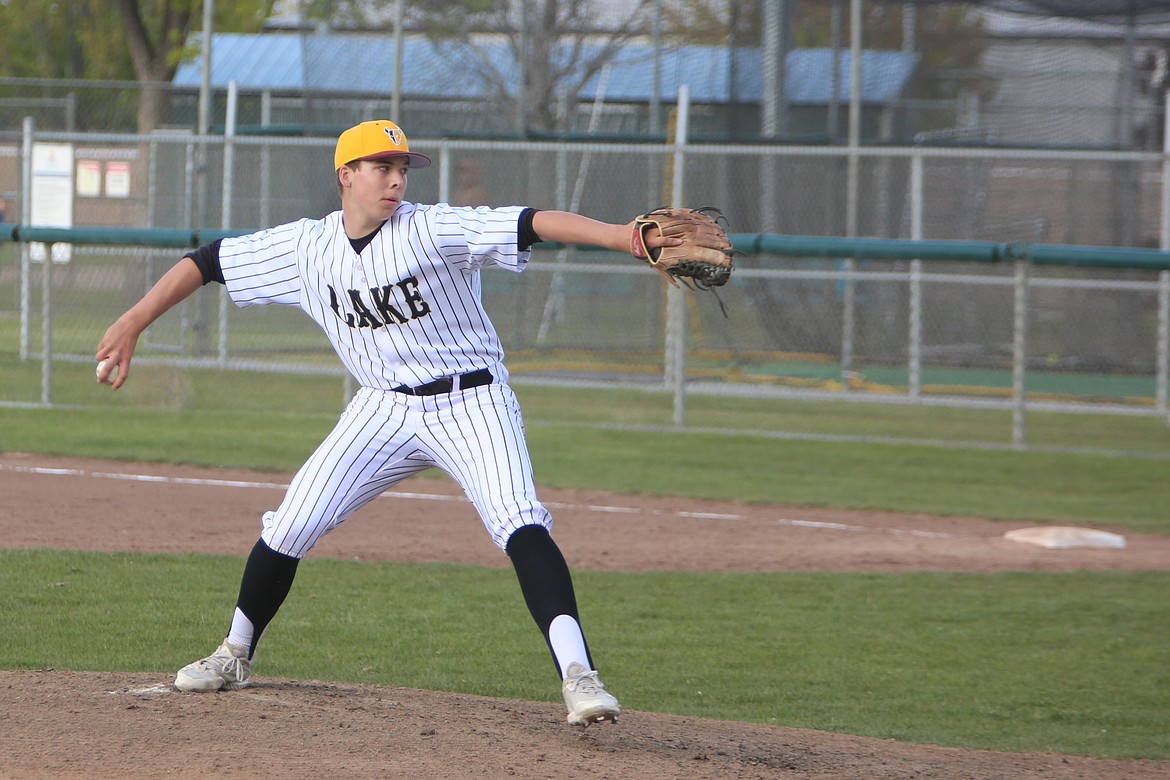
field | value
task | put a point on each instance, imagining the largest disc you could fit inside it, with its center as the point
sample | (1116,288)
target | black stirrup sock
(268,576)
(544,578)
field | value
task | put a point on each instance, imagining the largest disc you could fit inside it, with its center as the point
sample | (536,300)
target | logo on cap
(394,134)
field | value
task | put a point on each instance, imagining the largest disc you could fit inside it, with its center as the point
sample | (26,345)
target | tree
(558,53)
(154,45)
(83,40)
(54,40)
(949,38)
(557,43)
(157,33)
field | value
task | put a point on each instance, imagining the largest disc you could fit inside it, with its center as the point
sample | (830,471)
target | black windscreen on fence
(1117,11)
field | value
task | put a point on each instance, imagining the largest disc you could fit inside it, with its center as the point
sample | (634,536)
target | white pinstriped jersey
(405,311)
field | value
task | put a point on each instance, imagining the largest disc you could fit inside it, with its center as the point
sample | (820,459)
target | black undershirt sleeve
(525,235)
(207,258)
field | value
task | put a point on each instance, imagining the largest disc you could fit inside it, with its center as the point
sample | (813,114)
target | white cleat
(227,669)
(586,697)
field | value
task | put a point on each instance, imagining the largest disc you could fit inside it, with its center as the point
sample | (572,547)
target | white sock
(241,631)
(568,643)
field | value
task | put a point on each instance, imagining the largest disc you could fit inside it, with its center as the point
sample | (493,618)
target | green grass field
(1071,663)
(226,419)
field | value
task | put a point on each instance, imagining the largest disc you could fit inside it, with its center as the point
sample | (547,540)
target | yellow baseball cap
(374,140)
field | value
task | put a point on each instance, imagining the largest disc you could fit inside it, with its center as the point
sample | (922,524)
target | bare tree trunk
(151,58)
(154,106)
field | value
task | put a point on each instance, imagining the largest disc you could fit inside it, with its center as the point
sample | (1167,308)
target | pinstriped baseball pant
(475,435)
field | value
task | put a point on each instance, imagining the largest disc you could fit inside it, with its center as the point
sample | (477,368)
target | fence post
(1163,358)
(445,166)
(225,214)
(266,160)
(676,302)
(26,144)
(1020,352)
(852,197)
(554,304)
(915,337)
(191,189)
(47,327)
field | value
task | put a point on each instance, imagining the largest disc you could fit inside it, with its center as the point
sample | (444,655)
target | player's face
(376,187)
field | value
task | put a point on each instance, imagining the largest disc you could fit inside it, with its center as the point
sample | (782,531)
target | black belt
(447,383)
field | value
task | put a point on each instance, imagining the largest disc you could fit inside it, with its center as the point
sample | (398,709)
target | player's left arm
(568,228)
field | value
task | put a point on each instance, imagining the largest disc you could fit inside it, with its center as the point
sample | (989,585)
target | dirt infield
(57,724)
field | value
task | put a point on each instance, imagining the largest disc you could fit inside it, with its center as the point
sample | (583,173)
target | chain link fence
(789,328)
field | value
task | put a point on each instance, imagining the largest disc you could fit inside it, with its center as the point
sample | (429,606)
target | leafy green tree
(157,32)
(56,40)
(141,40)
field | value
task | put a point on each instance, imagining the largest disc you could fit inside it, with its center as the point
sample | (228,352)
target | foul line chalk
(598,508)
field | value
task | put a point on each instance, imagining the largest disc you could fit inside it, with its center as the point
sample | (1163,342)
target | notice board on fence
(52,197)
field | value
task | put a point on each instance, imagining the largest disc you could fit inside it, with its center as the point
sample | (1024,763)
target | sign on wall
(117,179)
(52,196)
(89,178)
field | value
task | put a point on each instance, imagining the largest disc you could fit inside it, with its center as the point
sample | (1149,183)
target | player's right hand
(117,346)
(114,352)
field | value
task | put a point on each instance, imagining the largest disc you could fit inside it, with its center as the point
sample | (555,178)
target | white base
(1063,537)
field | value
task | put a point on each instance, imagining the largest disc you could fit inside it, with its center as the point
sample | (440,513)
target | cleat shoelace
(230,665)
(586,683)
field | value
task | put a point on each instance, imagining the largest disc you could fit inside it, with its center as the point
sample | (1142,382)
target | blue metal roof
(454,70)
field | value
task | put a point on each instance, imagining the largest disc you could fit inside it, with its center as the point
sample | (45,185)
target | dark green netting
(1112,11)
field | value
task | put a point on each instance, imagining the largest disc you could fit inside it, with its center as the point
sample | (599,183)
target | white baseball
(102,373)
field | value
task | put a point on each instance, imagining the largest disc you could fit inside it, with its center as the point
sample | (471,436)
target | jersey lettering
(347,318)
(365,317)
(382,303)
(414,299)
(384,311)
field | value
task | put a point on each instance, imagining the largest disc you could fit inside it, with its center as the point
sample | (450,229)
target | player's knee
(527,538)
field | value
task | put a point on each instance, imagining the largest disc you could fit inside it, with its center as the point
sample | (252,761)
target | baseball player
(395,286)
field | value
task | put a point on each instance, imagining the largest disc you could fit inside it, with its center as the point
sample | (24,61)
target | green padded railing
(749,243)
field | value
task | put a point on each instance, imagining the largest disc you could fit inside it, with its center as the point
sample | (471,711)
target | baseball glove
(704,258)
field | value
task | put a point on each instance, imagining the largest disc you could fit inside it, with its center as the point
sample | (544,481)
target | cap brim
(416,159)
